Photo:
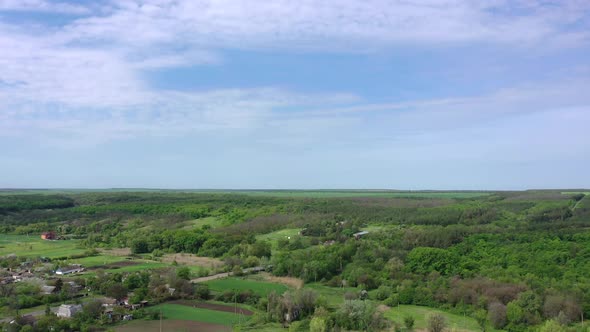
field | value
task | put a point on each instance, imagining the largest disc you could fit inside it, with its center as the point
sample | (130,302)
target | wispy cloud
(321,24)
(82,83)
(92,59)
(43,6)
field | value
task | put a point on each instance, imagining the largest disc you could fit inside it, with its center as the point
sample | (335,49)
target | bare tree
(436,323)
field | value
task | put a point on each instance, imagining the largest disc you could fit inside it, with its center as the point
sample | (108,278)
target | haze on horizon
(430,94)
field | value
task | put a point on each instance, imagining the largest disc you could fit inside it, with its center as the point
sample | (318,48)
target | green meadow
(420,315)
(183,312)
(33,245)
(334,296)
(239,284)
(274,237)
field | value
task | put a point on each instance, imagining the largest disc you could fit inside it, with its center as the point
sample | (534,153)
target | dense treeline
(514,258)
(15,203)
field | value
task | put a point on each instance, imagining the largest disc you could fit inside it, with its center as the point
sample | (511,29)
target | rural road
(226,274)
(34,313)
(577,203)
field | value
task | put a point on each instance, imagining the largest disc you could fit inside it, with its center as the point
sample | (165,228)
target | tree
(92,309)
(317,324)
(436,322)
(481,318)
(409,322)
(306,300)
(58,285)
(497,315)
(551,326)
(566,308)
(423,260)
(139,246)
(26,328)
(116,291)
(68,291)
(183,273)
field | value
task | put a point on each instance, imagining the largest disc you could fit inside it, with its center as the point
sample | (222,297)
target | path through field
(226,274)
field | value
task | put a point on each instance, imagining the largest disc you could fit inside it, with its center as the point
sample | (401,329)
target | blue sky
(418,94)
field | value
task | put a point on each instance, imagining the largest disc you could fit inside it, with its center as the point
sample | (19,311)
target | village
(61,287)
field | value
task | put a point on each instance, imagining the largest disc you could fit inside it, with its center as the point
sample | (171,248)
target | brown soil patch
(171,326)
(382,308)
(214,306)
(190,259)
(288,281)
(121,264)
(116,251)
(115,265)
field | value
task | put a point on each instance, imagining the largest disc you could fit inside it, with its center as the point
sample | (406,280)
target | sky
(306,94)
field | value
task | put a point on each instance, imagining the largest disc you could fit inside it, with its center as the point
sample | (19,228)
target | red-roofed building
(48,236)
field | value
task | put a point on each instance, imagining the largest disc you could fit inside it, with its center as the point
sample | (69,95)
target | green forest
(514,261)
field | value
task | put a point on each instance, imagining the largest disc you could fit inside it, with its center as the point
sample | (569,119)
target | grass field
(182,312)
(334,296)
(93,261)
(213,222)
(274,237)
(145,265)
(33,245)
(258,287)
(420,314)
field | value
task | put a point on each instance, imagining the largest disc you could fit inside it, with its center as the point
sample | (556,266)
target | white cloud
(85,77)
(329,24)
(42,6)
(96,61)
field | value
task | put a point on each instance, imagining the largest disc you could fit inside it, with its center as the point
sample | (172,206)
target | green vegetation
(33,245)
(240,284)
(182,312)
(515,261)
(420,315)
(212,222)
(359,193)
(283,234)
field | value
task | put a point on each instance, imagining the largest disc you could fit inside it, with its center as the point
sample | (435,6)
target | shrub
(409,322)
(436,323)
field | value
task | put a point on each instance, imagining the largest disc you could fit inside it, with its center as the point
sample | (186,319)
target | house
(47,290)
(139,305)
(74,286)
(109,302)
(25,320)
(360,234)
(170,289)
(68,310)
(76,268)
(48,236)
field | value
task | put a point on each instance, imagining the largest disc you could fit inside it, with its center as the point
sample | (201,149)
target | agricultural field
(33,245)
(242,284)
(191,317)
(170,325)
(185,312)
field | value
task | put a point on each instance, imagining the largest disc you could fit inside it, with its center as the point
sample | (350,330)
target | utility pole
(160,320)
